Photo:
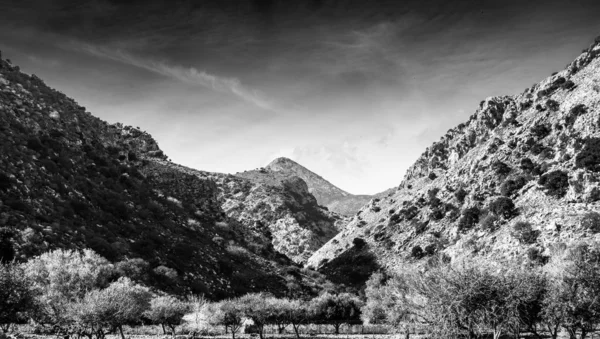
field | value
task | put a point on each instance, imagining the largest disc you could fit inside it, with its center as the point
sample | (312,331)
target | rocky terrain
(272,210)
(519,179)
(327,194)
(71,180)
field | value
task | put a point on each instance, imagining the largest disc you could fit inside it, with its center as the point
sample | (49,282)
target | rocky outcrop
(273,210)
(327,194)
(519,179)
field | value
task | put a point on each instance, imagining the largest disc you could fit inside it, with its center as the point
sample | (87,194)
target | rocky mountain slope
(327,194)
(520,179)
(71,180)
(273,210)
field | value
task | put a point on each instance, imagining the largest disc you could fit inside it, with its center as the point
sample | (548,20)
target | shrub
(359,243)
(488,223)
(556,183)
(591,222)
(430,249)
(568,85)
(470,217)
(460,195)
(574,113)
(417,252)
(523,232)
(432,193)
(432,176)
(527,165)
(553,105)
(500,168)
(503,207)
(541,130)
(535,255)
(589,157)
(510,186)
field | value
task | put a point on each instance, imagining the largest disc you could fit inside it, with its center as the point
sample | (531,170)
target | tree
(574,290)
(256,307)
(167,311)
(227,313)
(296,313)
(103,311)
(16,298)
(61,277)
(343,308)
(387,303)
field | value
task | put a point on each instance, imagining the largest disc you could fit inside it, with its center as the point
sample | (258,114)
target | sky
(354,90)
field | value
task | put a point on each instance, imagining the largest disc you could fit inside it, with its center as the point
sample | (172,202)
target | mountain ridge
(326,193)
(518,180)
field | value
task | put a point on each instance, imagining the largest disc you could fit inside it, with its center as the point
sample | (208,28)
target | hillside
(327,194)
(71,180)
(519,179)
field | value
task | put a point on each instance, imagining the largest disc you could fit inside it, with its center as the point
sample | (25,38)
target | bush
(470,217)
(500,168)
(359,243)
(488,223)
(541,131)
(574,113)
(523,232)
(503,207)
(553,105)
(589,157)
(511,186)
(527,165)
(432,176)
(460,195)
(417,252)
(591,222)
(556,183)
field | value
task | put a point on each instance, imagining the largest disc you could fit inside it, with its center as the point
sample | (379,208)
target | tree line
(477,299)
(81,294)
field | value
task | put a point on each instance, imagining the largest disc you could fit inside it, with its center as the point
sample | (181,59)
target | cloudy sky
(354,90)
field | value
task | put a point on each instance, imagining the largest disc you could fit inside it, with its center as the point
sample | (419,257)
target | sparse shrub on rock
(489,223)
(359,243)
(552,105)
(591,222)
(469,218)
(432,176)
(541,130)
(511,186)
(523,232)
(460,195)
(589,156)
(417,252)
(555,183)
(574,113)
(500,168)
(503,207)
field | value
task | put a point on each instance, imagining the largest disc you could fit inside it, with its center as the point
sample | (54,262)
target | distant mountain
(71,180)
(327,194)
(519,180)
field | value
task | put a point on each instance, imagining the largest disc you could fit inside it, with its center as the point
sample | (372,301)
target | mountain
(327,194)
(520,179)
(71,180)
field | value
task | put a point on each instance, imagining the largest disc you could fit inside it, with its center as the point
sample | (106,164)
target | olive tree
(338,309)
(16,298)
(61,277)
(167,311)
(104,311)
(227,313)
